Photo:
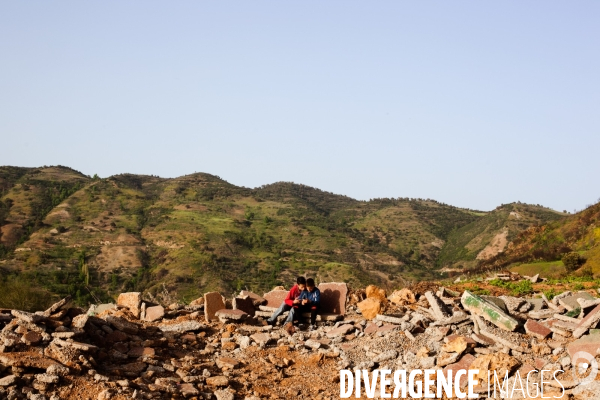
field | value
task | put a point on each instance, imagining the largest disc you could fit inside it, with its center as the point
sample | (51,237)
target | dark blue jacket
(314,296)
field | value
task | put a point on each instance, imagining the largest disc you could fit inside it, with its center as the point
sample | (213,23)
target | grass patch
(546,269)
(515,288)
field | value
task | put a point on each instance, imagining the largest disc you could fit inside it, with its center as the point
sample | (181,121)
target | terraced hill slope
(489,236)
(540,249)
(72,234)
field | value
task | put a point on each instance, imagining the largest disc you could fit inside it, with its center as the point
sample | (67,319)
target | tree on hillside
(572,260)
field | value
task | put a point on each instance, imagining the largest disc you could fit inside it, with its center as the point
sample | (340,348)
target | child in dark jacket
(310,302)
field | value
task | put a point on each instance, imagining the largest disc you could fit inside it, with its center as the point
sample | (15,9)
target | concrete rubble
(139,350)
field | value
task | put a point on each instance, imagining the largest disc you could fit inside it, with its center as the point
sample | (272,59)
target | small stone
(8,380)
(227,362)
(261,339)
(444,359)
(47,378)
(340,331)
(31,338)
(105,395)
(217,381)
(131,300)
(223,395)
(499,362)
(456,345)
(188,390)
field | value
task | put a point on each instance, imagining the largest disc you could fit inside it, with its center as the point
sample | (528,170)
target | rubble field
(217,348)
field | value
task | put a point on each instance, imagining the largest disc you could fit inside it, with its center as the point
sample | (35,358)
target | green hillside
(490,234)
(68,233)
(538,247)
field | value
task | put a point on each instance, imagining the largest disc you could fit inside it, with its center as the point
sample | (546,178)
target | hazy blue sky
(471,103)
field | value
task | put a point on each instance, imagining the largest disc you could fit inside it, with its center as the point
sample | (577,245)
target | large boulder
(402,296)
(370,307)
(377,293)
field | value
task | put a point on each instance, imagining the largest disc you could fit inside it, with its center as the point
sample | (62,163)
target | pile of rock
(136,349)
(451,331)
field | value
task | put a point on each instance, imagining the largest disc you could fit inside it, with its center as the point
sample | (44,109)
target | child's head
(301,282)
(310,284)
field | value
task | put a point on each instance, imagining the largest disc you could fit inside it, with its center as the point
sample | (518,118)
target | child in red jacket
(291,300)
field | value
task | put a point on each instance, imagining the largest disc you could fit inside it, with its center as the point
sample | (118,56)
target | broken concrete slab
(213,302)
(536,329)
(275,297)
(439,308)
(536,304)
(57,306)
(256,299)
(262,339)
(340,330)
(122,324)
(154,313)
(333,297)
(497,301)
(589,321)
(456,318)
(588,343)
(570,302)
(245,304)
(542,314)
(488,311)
(28,317)
(226,315)
(181,327)
(587,304)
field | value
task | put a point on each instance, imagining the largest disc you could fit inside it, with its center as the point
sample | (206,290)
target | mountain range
(68,233)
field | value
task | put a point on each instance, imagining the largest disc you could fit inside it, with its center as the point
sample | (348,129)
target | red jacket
(293,294)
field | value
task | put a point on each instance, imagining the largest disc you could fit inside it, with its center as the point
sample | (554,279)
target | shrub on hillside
(572,260)
(18,293)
